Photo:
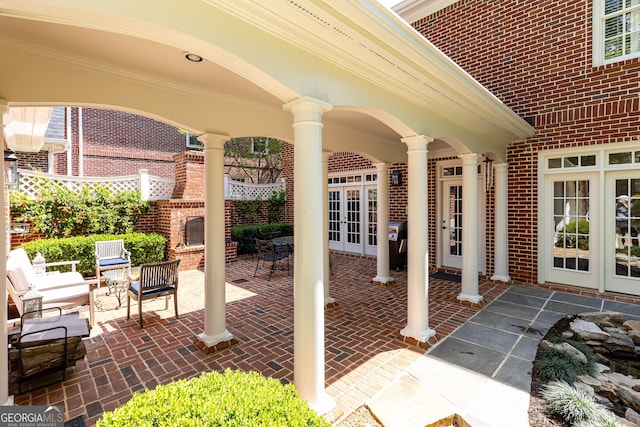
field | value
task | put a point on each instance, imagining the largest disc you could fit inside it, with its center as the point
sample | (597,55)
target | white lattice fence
(150,187)
(237,190)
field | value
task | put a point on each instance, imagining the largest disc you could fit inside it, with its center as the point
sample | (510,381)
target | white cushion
(20,270)
(64,294)
(49,281)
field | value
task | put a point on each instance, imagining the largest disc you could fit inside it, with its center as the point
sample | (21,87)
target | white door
(371,229)
(622,247)
(451,245)
(572,237)
(451,227)
(346,222)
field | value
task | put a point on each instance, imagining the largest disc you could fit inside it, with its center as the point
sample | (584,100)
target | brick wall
(189,175)
(33,161)
(287,174)
(536,56)
(117,143)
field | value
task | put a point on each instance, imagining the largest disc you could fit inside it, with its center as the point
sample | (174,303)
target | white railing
(237,190)
(150,187)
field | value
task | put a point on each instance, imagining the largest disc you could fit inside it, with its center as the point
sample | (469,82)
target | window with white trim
(192,140)
(616,30)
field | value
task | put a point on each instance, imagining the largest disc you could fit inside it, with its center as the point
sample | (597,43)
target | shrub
(609,420)
(275,205)
(248,210)
(558,365)
(61,212)
(143,248)
(573,405)
(232,398)
(245,235)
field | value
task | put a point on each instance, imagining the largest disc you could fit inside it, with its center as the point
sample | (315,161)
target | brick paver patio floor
(364,350)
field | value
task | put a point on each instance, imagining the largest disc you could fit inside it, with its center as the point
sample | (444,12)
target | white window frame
(189,144)
(598,35)
(263,152)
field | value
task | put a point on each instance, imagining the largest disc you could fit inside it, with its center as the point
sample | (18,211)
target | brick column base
(213,349)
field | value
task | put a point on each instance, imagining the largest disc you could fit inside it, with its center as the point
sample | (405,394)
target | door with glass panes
(451,244)
(345,219)
(572,236)
(622,266)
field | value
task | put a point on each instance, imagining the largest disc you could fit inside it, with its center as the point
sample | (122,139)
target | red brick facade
(536,56)
(116,143)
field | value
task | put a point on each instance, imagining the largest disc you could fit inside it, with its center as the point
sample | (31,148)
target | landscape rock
(620,345)
(630,397)
(566,347)
(601,368)
(603,317)
(621,380)
(632,325)
(588,330)
(634,334)
(632,416)
(616,344)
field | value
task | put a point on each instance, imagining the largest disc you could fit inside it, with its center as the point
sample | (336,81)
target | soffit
(383,63)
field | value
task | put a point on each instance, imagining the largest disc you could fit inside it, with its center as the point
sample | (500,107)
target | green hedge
(231,399)
(143,248)
(245,235)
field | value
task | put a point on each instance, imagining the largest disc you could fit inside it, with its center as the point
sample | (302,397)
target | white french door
(345,219)
(573,238)
(451,245)
(622,245)
(352,219)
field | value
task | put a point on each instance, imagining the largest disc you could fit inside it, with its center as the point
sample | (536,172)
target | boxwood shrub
(232,398)
(245,235)
(143,248)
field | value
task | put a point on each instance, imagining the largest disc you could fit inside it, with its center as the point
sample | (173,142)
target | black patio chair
(267,254)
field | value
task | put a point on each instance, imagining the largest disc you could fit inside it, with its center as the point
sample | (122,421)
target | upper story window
(616,30)
(261,145)
(192,140)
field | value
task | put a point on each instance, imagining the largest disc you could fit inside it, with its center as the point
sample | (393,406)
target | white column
(417,241)
(325,221)
(501,226)
(4,224)
(382,213)
(469,290)
(308,272)
(215,322)
(145,184)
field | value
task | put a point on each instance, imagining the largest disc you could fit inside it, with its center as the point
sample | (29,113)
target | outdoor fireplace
(194,231)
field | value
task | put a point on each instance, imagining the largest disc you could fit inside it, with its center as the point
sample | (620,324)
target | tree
(257,158)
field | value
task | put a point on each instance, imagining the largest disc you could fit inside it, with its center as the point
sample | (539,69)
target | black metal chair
(267,253)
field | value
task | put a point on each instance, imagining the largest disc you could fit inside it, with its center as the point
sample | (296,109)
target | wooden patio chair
(111,255)
(158,279)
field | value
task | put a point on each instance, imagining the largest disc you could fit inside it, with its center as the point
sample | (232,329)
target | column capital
(500,167)
(381,166)
(469,158)
(307,104)
(417,142)
(213,140)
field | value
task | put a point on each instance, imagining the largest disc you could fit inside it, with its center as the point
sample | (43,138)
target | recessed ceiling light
(192,57)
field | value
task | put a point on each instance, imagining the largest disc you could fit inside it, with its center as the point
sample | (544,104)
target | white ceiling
(384,80)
